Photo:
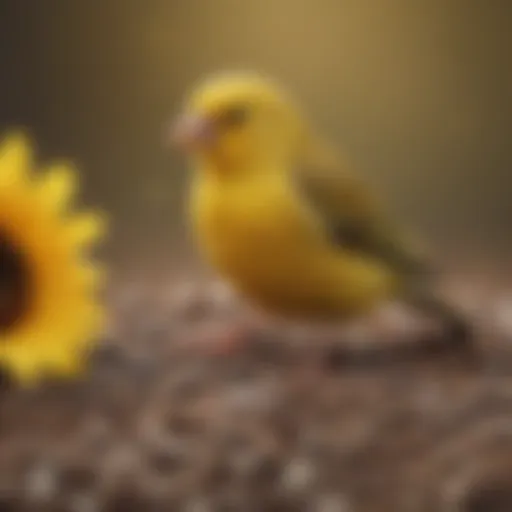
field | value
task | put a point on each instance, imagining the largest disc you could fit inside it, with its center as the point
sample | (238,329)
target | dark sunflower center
(14,284)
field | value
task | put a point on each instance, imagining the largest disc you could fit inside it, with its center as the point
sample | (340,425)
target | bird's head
(237,121)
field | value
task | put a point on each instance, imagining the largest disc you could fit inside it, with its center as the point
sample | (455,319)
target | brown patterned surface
(160,423)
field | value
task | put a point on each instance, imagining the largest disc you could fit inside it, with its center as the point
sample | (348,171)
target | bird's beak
(191,132)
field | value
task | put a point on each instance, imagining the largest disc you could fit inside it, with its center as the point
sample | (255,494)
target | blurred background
(419,94)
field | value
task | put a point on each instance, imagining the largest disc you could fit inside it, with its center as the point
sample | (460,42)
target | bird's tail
(420,293)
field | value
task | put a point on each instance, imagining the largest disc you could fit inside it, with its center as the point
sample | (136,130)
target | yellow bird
(278,215)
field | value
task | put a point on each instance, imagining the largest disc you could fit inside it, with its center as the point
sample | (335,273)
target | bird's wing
(354,217)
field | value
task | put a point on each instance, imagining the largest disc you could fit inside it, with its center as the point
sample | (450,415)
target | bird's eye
(234,117)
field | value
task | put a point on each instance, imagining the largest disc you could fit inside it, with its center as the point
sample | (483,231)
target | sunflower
(49,310)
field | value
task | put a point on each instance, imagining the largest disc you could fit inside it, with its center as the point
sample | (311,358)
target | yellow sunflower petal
(87,228)
(93,322)
(92,274)
(22,364)
(58,186)
(63,318)
(65,365)
(15,158)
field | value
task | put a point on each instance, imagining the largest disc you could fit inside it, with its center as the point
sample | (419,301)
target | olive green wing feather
(355,218)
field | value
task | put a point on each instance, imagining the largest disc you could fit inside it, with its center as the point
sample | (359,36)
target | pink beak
(192,132)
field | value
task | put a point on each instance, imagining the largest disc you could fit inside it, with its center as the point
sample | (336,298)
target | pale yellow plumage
(272,214)
(271,246)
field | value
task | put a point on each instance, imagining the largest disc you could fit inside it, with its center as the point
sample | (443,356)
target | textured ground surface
(164,423)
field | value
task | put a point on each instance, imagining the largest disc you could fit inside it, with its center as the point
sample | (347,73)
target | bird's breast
(252,232)
(263,239)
